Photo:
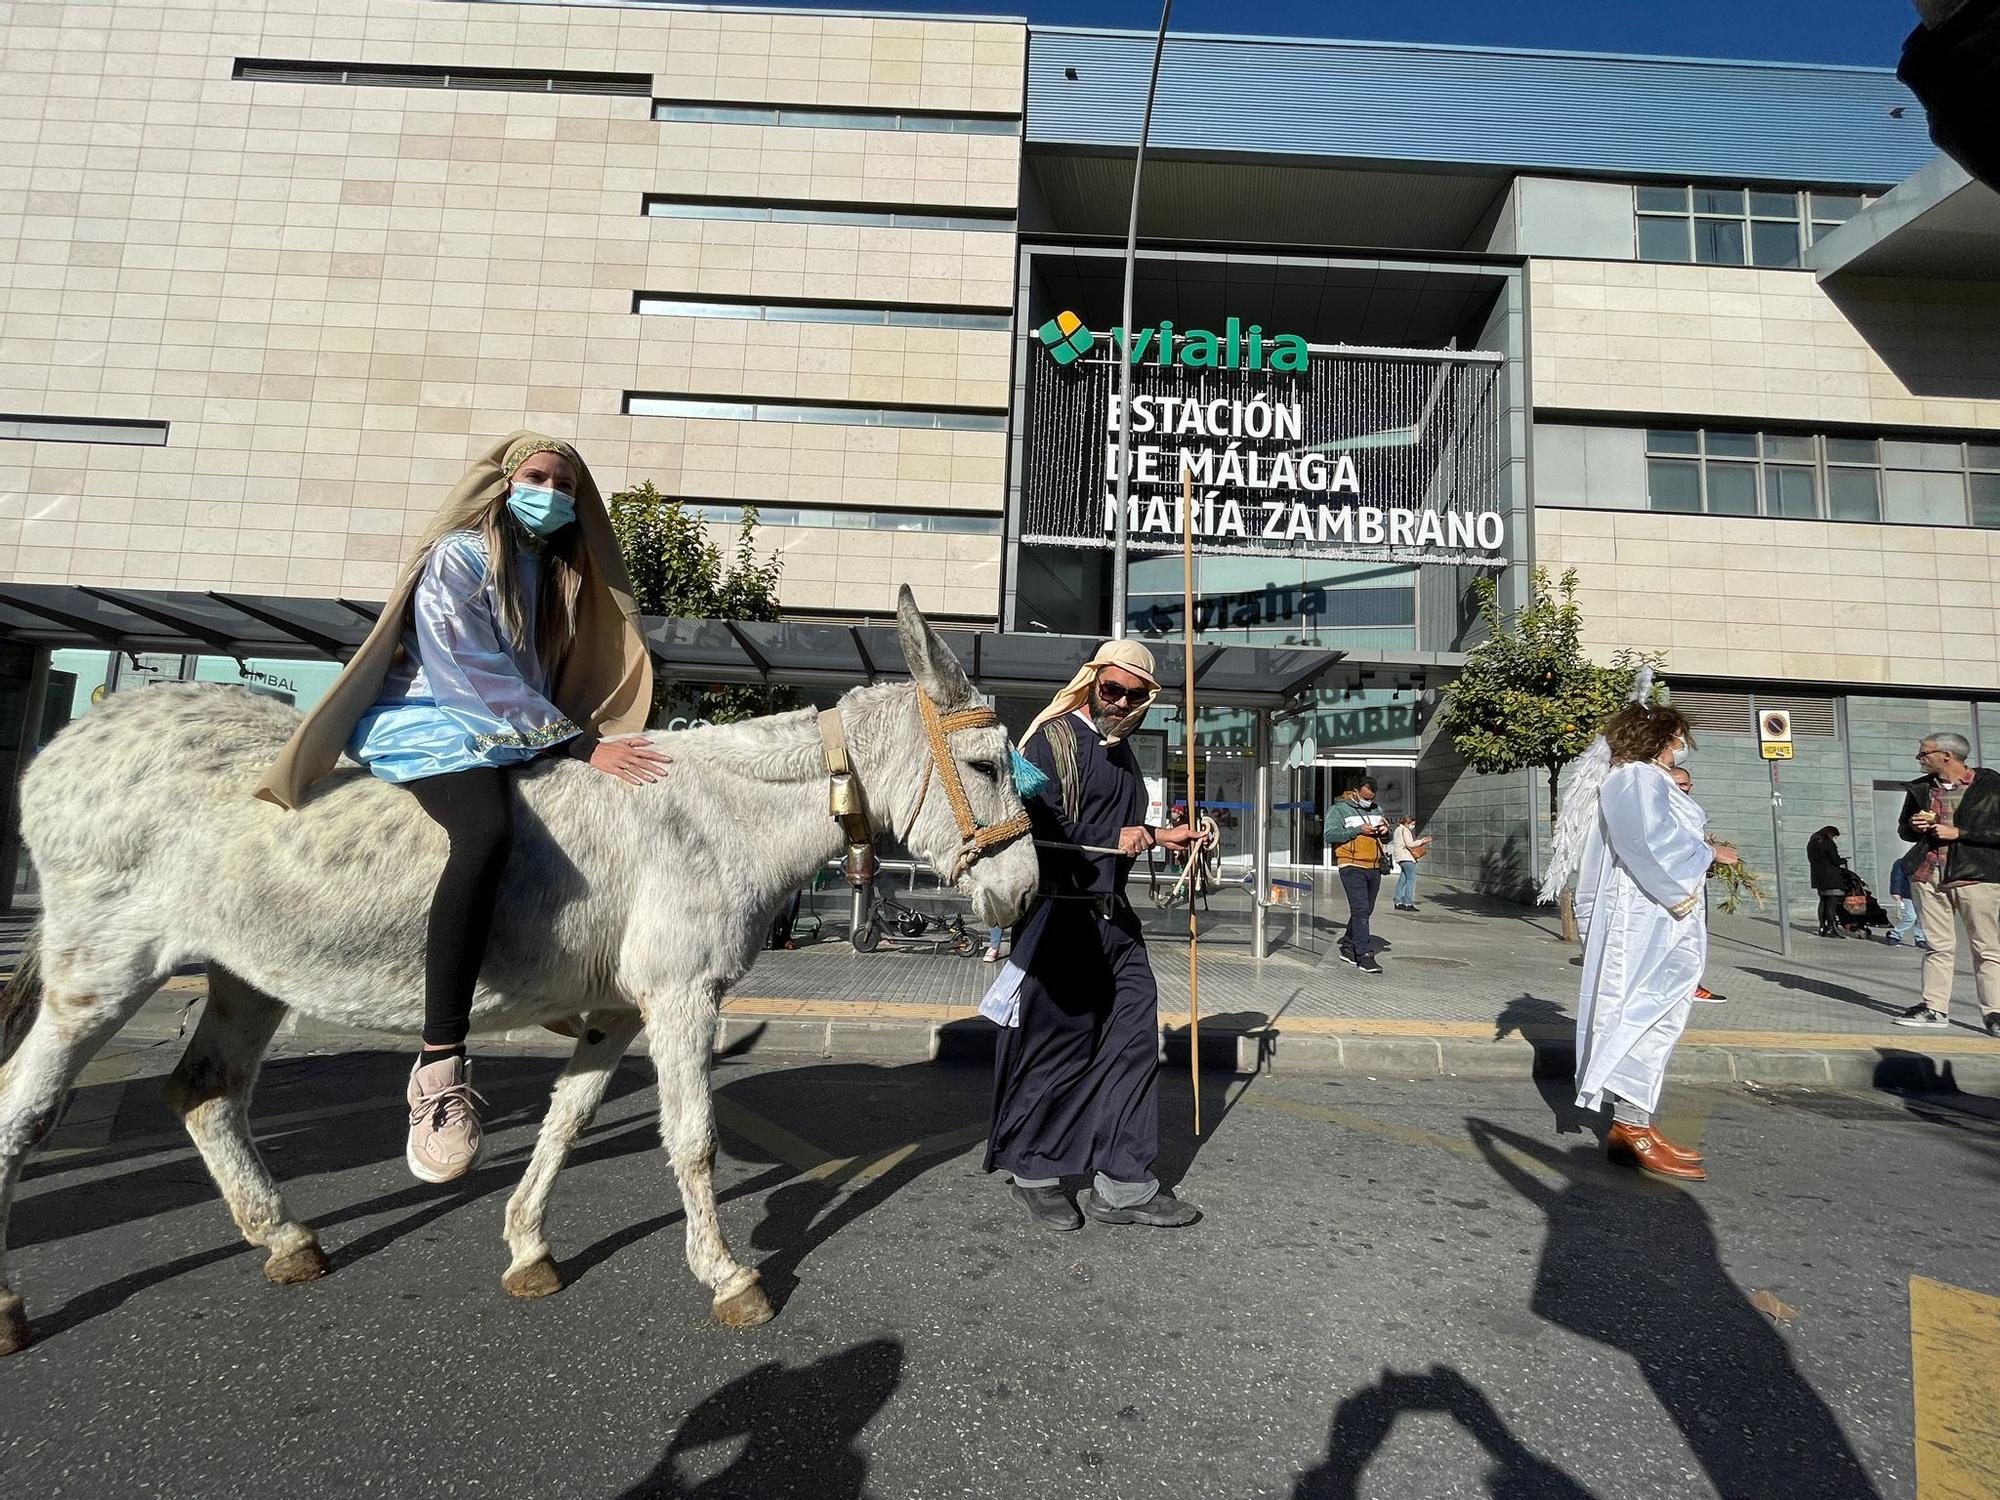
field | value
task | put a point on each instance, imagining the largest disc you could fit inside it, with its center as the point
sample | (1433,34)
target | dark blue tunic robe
(1074,1083)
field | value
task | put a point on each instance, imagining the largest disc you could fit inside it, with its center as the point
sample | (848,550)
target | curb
(1319,1047)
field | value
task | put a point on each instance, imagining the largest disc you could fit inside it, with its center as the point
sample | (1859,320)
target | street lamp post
(1119,562)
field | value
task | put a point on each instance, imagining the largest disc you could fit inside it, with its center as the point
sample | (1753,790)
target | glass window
(1774,244)
(1924,499)
(1836,208)
(1789,490)
(1909,455)
(1983,455)
(1732,444)
(1732,489)
(82,430)
(1843,450)
(1664,239)
(1774,205)
(1718,242)
(1673,484)
(1986,499)
(1853,494)
(1665,200)
(1673,440)
(1718,201)
(1794,446)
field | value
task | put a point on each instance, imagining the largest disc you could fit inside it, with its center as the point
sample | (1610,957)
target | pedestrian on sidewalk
(1909,919)
(511,637)
(1405,849)
(1685,783)
(1359,825)
(1953,811)
(996,945)
(1829,879)
(1075,1073)
(1641,857)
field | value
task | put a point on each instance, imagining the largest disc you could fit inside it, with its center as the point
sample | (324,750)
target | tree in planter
(1528,696)
(677,570)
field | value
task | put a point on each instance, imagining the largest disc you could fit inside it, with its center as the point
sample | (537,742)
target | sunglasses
(1112,692)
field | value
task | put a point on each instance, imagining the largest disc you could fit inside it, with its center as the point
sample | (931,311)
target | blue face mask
(542,511)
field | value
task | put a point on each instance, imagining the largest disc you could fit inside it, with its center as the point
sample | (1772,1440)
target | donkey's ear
(930,660)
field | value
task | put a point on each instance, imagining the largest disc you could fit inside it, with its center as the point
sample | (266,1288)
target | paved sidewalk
(1471,988)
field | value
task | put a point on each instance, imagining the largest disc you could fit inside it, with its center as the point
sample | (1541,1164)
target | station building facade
(1724,338)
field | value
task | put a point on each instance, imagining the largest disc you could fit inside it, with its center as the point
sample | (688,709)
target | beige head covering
(605,683)
(528,447)
(1129,655)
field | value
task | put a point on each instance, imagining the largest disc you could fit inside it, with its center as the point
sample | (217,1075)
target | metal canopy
(781,654)
(794,654)
(1936,225)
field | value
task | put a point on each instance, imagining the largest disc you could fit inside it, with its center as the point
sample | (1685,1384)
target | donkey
(631,907)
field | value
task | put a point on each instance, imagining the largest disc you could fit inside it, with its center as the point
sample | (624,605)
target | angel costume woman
(513,636)
(1637,846)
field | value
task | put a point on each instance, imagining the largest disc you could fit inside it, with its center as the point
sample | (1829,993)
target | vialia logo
(1235,348)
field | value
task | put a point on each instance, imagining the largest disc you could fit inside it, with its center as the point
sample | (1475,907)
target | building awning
(773,654)
(1028,664)
(1937,224)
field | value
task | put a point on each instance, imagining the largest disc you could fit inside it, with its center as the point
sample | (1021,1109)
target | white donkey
(632,906)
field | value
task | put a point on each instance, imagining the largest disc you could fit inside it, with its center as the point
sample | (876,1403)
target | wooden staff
(1194,813)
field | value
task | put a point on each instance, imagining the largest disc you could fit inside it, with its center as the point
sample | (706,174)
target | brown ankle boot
(1639,1146)
(1679,1153)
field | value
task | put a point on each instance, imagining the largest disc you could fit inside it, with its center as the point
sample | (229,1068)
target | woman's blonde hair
(562,578)
(1640,731)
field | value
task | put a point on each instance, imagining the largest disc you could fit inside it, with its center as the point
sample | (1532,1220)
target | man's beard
(1113,723)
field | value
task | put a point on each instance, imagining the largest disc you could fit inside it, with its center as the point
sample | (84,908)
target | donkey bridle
(848,802)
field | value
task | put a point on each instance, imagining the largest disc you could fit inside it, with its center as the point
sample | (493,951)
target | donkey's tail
(21,1000)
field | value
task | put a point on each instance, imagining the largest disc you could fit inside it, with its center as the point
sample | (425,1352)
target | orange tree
(1528,696)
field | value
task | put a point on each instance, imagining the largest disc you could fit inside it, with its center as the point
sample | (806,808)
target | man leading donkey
(1075,1077)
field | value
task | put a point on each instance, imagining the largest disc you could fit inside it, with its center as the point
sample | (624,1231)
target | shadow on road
(1550,1031)
(1363,1422)
(1634,1265)
(800,1431)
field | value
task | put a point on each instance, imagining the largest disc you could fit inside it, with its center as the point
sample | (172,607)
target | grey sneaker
(444,1126)
(1925,1017)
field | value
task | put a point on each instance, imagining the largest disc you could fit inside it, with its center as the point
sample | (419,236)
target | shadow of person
(1633,1264)
(1363,1422)
(1805,984)
(800,1430)
(1550,1031)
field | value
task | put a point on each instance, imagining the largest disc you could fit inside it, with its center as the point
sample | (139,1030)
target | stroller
(1859,910)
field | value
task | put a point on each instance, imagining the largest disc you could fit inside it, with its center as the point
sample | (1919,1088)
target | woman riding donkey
(512,635)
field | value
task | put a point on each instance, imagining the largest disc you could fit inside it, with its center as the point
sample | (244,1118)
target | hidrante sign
(1234,348)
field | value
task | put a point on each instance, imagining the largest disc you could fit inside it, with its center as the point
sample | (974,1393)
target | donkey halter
(849,807)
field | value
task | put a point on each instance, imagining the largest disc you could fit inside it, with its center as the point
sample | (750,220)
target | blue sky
(1868,32)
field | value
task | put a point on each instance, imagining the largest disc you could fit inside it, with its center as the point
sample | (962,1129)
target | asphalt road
(1401,1290)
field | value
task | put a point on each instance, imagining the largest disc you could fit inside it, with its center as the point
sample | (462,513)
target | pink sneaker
(444,1126)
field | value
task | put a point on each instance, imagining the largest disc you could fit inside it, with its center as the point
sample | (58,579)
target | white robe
(1645,855)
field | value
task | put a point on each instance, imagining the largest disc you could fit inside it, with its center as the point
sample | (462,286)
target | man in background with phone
(1357,829)
(1953,812)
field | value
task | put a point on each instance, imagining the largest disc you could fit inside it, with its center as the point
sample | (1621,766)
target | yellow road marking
(811,1161)
(1955,1372)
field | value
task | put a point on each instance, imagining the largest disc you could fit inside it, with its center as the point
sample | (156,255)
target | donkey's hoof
(537,1279)
(307,1263)
(15,1335)
(744,1308)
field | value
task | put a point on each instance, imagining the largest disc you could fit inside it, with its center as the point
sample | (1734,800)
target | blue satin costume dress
(460,693)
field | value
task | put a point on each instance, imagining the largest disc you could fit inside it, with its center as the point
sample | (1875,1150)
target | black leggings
(476,811)
(1830,909)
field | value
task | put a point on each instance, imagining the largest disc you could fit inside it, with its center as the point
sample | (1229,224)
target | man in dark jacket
(1953,812)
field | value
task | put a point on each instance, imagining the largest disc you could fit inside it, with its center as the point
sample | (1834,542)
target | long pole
(1194,809)
(1778,857)
(1119,562)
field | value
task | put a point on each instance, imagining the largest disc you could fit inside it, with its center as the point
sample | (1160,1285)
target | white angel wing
(1581,784)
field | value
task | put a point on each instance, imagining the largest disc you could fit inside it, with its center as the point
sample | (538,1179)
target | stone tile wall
(336,294)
